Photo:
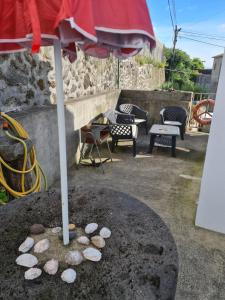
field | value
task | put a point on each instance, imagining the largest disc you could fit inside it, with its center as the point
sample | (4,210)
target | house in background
(217,64)
(209,78)
(204,79)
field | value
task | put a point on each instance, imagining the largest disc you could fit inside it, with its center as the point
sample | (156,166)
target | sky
(204,16)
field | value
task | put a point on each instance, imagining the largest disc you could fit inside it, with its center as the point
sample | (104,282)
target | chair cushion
(139,121)
(134,131)
(173,123)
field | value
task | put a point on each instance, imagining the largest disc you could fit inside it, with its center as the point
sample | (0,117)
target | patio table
(139,260)
(164,130)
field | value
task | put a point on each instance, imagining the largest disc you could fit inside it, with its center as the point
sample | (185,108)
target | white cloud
(221,28)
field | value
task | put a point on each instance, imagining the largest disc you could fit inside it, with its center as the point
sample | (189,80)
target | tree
(181,69)
(197,65)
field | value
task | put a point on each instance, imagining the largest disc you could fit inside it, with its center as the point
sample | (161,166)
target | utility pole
(176,32)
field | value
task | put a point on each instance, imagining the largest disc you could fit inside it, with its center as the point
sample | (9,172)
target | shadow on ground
(155,180)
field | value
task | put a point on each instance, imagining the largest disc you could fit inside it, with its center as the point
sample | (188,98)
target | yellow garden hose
(20,136)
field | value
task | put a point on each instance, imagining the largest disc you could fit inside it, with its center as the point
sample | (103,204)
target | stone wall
(23,81)
(27,81)
(134,76)
(90,76)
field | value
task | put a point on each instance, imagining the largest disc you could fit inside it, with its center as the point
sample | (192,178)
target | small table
(164,130)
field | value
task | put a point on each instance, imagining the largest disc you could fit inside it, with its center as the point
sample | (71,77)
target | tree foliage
(184,69)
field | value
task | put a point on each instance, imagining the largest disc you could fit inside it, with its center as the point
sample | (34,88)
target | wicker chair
(175,116)
(141,116)
(122,128)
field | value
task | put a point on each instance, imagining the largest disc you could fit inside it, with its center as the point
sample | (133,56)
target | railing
(200,96)
(195,99)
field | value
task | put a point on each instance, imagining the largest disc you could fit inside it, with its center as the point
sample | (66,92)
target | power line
(176,30)
(216,45)
(203,37)
(203,34)
(171,16)
(174,11)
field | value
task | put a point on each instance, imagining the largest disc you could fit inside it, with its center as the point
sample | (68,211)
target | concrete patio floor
(155,180)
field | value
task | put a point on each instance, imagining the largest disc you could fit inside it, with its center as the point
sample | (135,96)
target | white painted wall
(211,207)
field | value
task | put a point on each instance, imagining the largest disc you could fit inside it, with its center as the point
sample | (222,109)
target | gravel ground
(156,181)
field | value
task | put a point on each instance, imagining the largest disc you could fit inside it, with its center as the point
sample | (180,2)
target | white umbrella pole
(62,140)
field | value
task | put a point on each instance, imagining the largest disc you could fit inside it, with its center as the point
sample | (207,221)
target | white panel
(211,207)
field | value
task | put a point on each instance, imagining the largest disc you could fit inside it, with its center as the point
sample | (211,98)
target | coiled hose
(20,136)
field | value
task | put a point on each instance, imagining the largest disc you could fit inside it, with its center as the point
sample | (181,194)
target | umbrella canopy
(98,27)
(27,23)
(121,27)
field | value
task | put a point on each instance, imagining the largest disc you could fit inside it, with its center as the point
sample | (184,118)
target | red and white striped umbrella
(121,27)
(98,27)
(26,22)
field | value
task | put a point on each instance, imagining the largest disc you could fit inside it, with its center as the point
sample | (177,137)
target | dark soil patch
(140,259)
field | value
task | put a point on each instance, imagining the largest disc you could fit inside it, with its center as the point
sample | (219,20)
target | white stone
(32,273)
(90,228)
(105,233)
(74,258)
(69,275)
(51,266)
(27,260)
(92,254)
(83,240)
(98,241)
(26,245)
(42,246)
(56,230)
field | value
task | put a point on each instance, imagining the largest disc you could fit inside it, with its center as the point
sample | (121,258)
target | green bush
(188,87)
(146,60)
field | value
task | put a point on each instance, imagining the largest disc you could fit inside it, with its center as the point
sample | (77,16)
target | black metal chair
(122,128)
(141,116)
(174,116)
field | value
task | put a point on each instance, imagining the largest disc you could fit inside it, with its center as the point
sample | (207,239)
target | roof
(217,56)
(206,71)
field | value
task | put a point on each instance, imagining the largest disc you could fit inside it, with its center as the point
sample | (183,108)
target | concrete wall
(154,101)
(41,124)
(217,64)
(204,80)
